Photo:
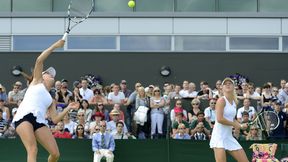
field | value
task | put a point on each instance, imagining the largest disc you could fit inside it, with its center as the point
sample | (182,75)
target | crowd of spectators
(151,111)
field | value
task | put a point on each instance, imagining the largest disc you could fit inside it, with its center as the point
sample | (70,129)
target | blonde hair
(235,97)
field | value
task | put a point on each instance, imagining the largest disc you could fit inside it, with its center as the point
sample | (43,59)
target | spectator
(61,132)
(254,134)
(94,130)
(87,111)
(98,98)
(200,118)
(62,96)
(210,114)
(184,92)
(143,100)
(246,108)
(181,132)
(179,120)
(282,85)
(81,120)
(77,97)
(98,117)
(178,106)
(266,97)
(80,133)
(205,92)
(85,92)
(283,95)
(16,94)
(121,115)
(116,96)
(217,90)
(3,124)
(103,144)
(275,93)
(5,110)
(199,135)
(157,114)
(279,132)
(3,94)
(245,120)
(69,124)
(195,103)
(111,125)
(251,93)
(123,88)
(101,108)
(175,94)
(119,134)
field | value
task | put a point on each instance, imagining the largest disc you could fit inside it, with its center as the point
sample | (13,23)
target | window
(254,43)
(92,42)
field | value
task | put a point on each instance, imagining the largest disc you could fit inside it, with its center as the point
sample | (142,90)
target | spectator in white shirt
(246,107)
(116,97)
(85,92)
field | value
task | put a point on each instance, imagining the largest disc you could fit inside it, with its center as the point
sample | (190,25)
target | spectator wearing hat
(119,134)
(179,119)
(3,94)
(99,116)
(279,132)
(181,132)
(100,107)
(111,125)
(5,110)
(121,115)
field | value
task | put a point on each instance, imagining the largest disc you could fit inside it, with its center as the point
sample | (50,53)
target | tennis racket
(266,121)
(78,11)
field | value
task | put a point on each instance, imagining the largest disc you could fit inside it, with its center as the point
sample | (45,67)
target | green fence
(12,150)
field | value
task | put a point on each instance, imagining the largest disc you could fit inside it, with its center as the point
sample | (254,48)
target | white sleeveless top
(36,101)
(222,134)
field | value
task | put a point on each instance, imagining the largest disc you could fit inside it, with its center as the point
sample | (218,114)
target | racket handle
(65,36)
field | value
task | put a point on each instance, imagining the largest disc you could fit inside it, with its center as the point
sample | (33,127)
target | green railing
(12,150)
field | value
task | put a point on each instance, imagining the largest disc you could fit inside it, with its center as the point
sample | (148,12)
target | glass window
(112,6)
(92,42)
(145,43)
(154,5)
(32,5)
(238,5)
(33,42)
(194,5)
(60,5)
(254,43)
(273,5)
(200,43)
(5,43)
(5,6)
(285,43)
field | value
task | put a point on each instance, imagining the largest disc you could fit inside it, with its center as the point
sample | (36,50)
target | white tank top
(36,101)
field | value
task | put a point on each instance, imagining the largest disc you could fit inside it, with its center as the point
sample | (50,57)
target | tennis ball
(131,3)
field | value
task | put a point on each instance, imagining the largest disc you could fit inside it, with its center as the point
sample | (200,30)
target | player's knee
(32,150)
(55,154)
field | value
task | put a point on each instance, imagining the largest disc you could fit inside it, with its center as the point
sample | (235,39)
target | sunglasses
(80,128)
(157,91)
(195,103)
(178,103)
(213,103)
(100,105)
(97,129)
(81,115)
(102,126)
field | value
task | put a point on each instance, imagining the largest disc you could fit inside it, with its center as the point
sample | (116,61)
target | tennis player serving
(29,120)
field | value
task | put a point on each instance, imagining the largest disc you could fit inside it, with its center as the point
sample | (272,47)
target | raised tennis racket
(266,121)
(78,11)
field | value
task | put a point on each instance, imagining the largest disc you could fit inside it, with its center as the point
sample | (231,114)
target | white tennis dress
(222,134)
(36,101)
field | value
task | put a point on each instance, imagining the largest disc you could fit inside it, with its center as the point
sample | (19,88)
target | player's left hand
(74,105)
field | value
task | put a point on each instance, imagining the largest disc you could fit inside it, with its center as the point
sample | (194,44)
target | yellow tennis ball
(131,3)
